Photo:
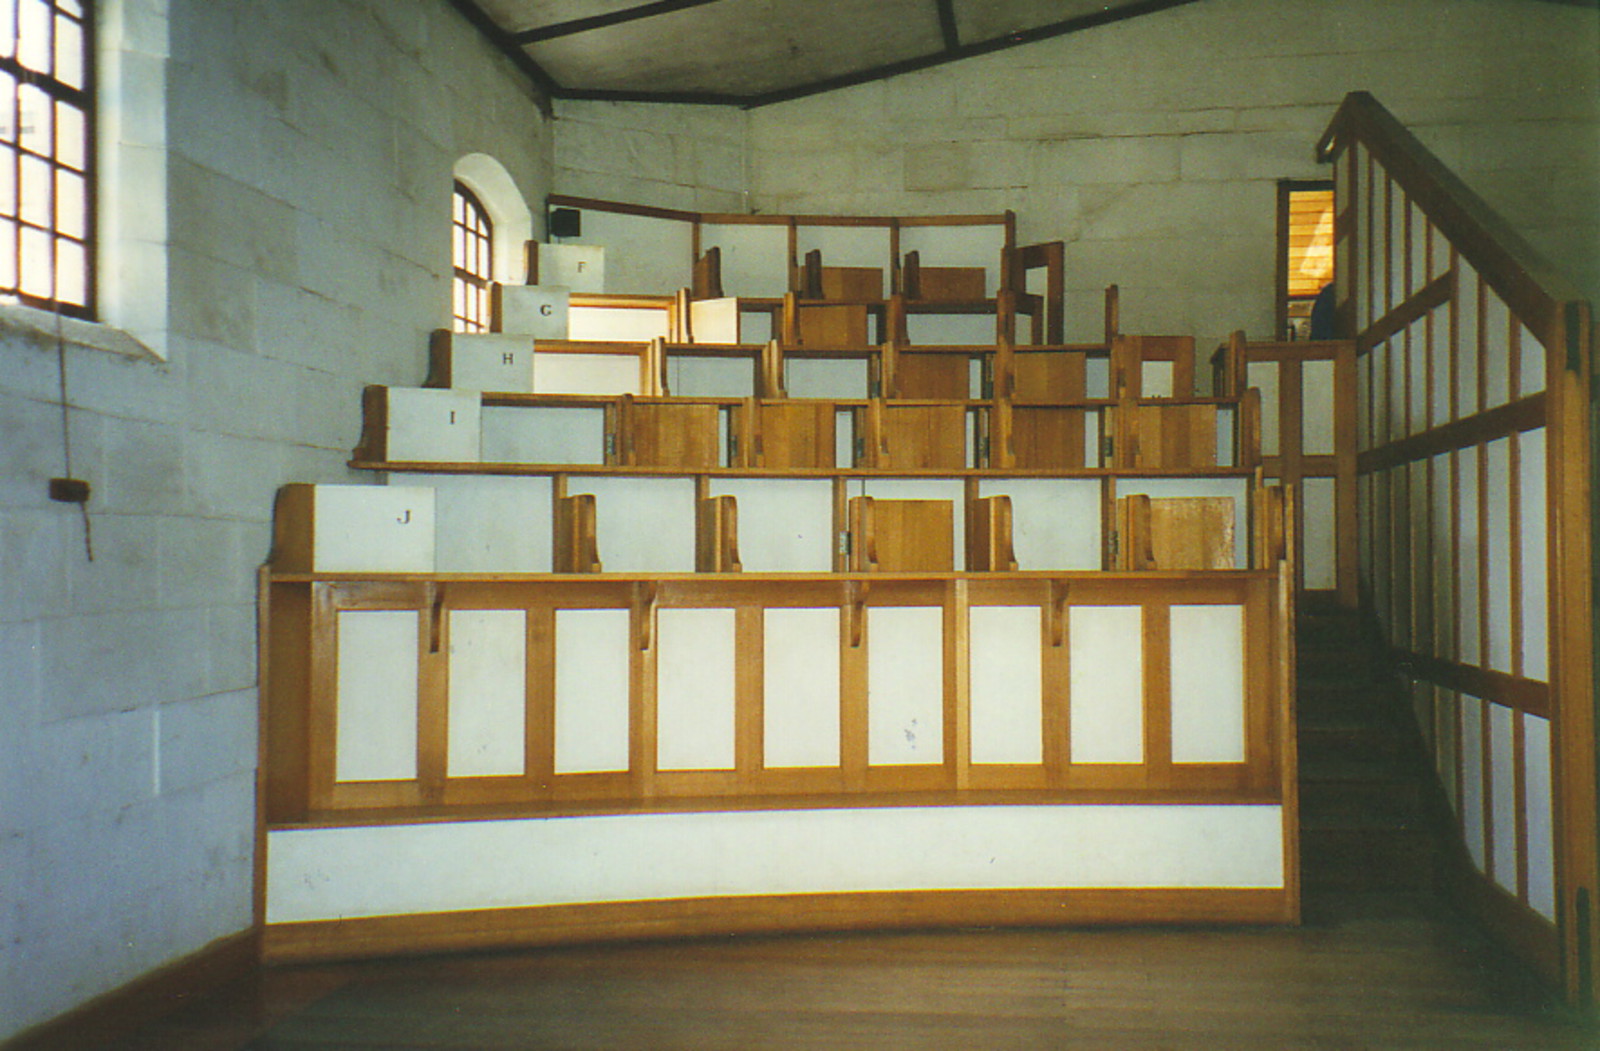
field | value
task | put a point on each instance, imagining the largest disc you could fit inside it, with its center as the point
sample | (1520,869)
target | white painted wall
(306,202)
(686,157)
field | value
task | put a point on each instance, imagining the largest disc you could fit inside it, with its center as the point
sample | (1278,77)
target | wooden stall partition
(1145,367)
(671,433)
(576,549)
(1164,435)
(716,535)
(916,435)
(784,434)
(901,536)
(989,536)
(1174,533)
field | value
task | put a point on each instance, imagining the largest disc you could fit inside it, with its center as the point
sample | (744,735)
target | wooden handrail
(1534,290)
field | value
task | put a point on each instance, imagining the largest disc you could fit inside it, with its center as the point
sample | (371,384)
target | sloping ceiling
(755,52)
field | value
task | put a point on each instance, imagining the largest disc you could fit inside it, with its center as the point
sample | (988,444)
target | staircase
(1364,784)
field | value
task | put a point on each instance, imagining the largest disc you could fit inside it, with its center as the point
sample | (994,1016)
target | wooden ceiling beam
(610,18)
(947,24)
(502,41)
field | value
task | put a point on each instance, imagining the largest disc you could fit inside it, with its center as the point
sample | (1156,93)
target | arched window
(46,124)
(473,238)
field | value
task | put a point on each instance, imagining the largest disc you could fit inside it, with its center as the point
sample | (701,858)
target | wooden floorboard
(1367,971)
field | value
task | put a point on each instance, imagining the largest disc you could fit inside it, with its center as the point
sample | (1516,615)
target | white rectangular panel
(1155,379)
(695,664)
(1503,795)
(1498,539)
(592,687)
(582,268)
(755,257)
(619,324)
(1320,537)
(488,693)
(1469,541)
(544,434)
(860,246)
(831,378)
(905,685)
(950,330)
(800,687)
(1055,523)
(785,524)
(376,723)
(1540,799)
(1208,702)
(1473,826)
(432,426)
(1316,415)
(559,373)
(979,245)
(649,255)
(1535,567)
(489,524)
(491,361)
(541,311)
(1107,683)
(642,525)
(1466,358)
(345,873)
(1531,378)
(1007,684)
(373,529)
(1497,350)
(1444,552)
(1263,375)
(710,377)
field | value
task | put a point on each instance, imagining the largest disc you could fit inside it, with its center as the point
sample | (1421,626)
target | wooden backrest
(670,434)
(1174,533)
(1137,361)
(902,435)
(901,536)
(576,550)
(1155,435)
(989,536)
(789,434)
(716,535)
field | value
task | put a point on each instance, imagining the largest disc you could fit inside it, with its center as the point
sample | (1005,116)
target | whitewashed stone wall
(669,156)
(1152,146)
(306,199)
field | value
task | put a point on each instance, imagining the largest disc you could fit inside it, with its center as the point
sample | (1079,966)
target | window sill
(40,328)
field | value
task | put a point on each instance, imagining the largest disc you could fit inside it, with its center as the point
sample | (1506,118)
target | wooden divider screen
(1473,364)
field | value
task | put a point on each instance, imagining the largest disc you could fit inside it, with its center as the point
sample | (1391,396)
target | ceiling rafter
(502,41)
(611,18)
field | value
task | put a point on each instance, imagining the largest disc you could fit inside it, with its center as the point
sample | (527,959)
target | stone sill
(40,328)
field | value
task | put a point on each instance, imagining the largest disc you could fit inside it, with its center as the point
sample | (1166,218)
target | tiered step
(1364,820)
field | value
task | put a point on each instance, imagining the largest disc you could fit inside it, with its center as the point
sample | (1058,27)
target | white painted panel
(1538,792)
(488,692)
(1469,540)
(581,268)
(785,524)
(1531,378)
(642,525)
(844,438)
(1498,538)
(542,311)
(905,685)
(1055,522)
(1317,424)
(1007,684)
(1503,795)
(1107,683)
(373,529)
(710,377)
(927,489)
(432,426)
(376,733)
(1466,360)
(544,434)
(866,246)
(1238,489)
(344,873)
(592,661)
(800,687)
(648,255)
(1535,567)
(755,326)
(1097,377)
(1415,347)
(491,361)
(1263,375)
(558,373)
(489,524)
(950,330)
(1155,379)
(695,663)
(1208,684)
(1444,549)
(958,246)
(1439,346)
(834,379)
(1473,827)
(714,320)
(1497,350)
(1319,537)
(1227,430)
(621,324)
(755,258)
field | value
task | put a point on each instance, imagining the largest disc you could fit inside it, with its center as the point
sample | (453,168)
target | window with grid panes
(473,250)
(46,177)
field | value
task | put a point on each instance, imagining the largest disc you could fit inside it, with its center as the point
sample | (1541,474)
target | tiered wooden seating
(901,536)
(782,435)
(1189,533)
